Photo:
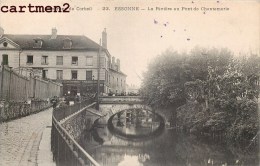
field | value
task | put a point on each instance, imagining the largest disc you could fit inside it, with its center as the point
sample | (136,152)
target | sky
(136,37)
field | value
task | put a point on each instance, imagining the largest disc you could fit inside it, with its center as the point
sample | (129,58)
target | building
(132,89)
(116,79)
(69,59)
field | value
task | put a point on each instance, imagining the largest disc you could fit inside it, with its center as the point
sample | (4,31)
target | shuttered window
(88,75)
(59,60)
(59,74)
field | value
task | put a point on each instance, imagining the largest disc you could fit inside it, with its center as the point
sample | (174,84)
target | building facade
(71,60)
(116,79)
(132,89)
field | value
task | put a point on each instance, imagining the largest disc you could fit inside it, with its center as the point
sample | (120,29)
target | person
(77,98)
(54,101)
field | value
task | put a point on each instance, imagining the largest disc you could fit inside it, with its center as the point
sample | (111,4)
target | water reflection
(130,159)
(134,160)
(165,149)
(135,123)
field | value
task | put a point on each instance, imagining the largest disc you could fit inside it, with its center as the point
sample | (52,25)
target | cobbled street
(20,139)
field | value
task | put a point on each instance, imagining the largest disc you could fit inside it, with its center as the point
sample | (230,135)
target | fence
(66,150)
(19,88)
(13,109)
(65,111)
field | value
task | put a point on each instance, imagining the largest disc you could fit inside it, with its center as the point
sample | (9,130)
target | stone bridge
(110,105)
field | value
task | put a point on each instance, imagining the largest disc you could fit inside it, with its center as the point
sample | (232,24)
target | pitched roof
(78,42)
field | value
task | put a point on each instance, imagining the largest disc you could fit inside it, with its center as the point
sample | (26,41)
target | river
(139,138)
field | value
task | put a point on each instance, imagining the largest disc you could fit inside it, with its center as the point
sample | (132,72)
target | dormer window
(38,43)
(67,44)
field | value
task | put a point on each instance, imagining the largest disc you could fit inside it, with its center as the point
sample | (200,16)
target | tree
(223,88)
(164,81)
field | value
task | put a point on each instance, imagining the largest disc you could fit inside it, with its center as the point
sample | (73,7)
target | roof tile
(78,42)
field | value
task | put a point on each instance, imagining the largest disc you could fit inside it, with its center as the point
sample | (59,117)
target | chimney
(118,64)
(1,32)
(54,33)
(113,63)
(109,61)
(104,39)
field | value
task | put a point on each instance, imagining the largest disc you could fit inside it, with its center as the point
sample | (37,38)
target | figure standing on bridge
(54,101)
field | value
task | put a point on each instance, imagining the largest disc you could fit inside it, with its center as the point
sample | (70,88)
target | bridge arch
(112,105)
(111,109)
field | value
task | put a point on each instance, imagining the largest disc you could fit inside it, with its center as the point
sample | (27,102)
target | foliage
(223,89)
(164,81)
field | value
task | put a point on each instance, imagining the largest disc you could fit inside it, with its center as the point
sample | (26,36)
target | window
(44,60)
(59,60)
(30,59)
(89,61)
(59,74)
(37,43)
(44,73)
(74,60)
(88,75)
(67,43)
(5,59)
(74,74)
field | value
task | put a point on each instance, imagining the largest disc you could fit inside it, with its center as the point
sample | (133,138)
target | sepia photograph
(129,82)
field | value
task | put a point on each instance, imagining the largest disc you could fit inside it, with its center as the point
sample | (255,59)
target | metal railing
(65,111)
(65,148)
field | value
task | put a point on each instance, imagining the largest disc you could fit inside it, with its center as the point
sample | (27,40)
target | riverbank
(169,114)
(239,130)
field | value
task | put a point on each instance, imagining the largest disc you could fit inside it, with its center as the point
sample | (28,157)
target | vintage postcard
(129,82)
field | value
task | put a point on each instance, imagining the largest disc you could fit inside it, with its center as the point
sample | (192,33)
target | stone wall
(116,99)
(13,110)
(110,109)
(79,123)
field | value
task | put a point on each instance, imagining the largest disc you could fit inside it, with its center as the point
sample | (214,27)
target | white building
(69,59)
